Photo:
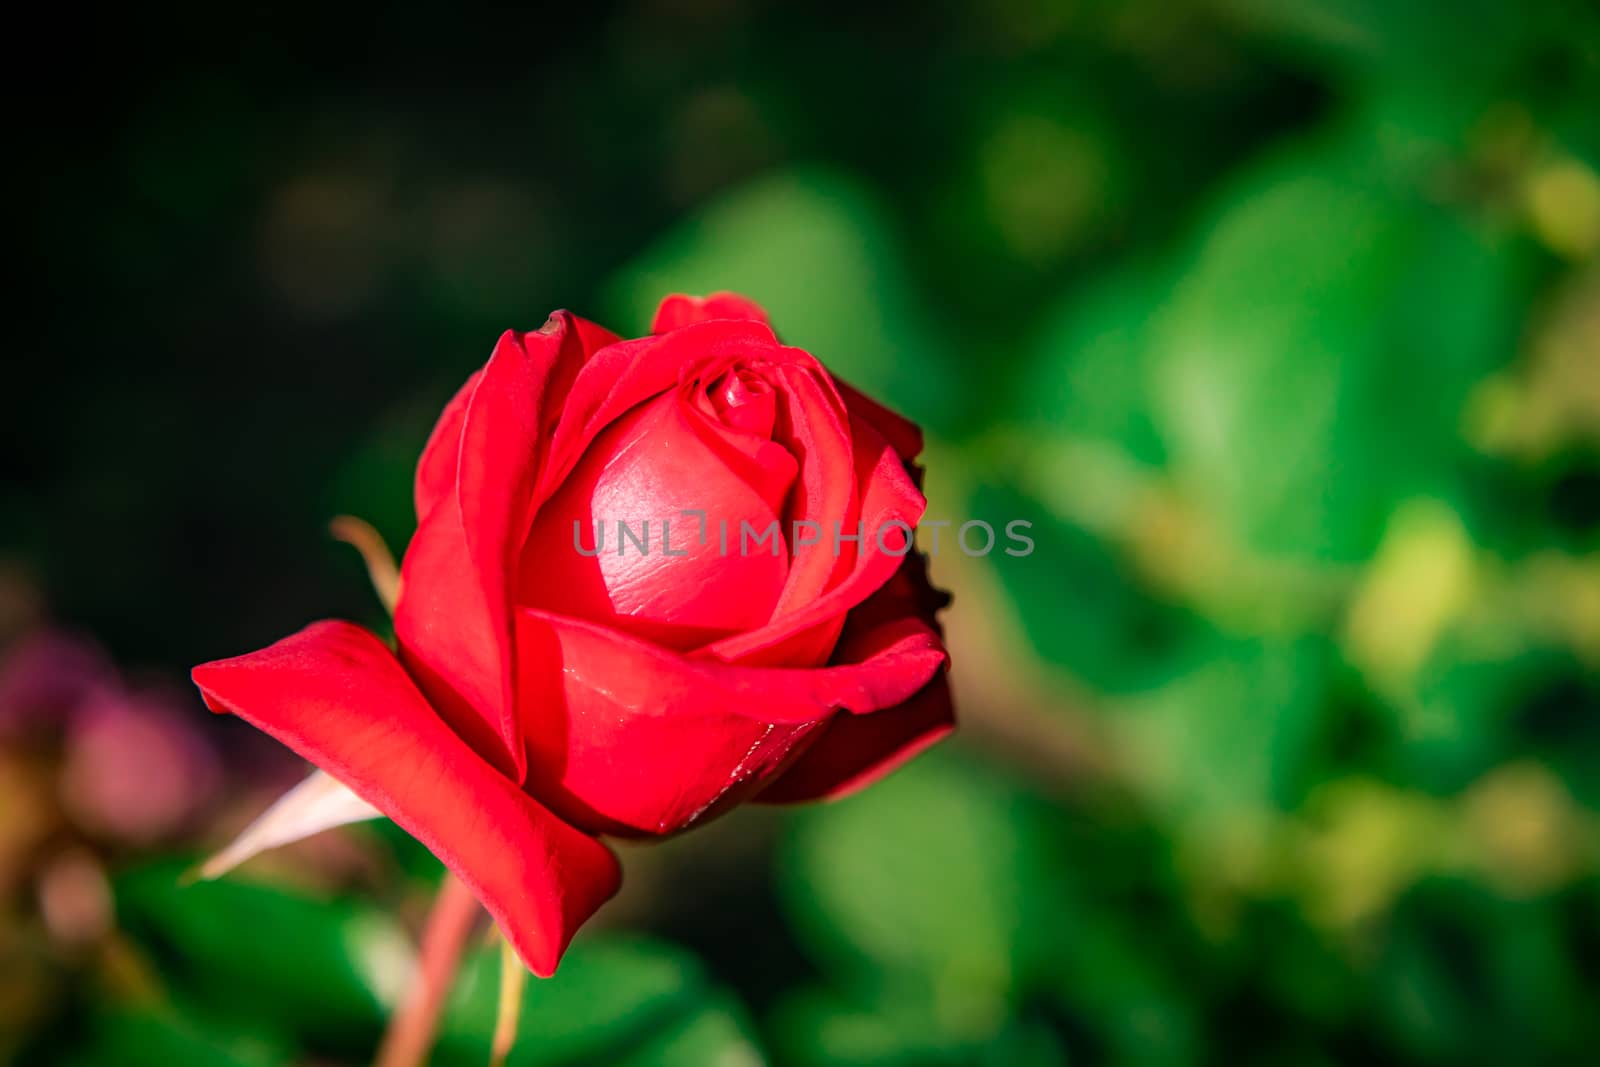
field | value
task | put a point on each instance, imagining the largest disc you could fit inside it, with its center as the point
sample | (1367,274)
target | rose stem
(413,1025)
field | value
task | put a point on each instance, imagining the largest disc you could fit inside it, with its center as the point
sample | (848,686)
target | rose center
(744,401)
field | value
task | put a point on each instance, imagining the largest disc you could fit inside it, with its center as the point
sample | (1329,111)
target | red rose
(544,693)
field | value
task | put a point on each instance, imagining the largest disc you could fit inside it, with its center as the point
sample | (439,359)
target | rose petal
(643,471)
(436,469)
(624,375)
(903,435)
(678,310)
(890,504)
(737,426)
(854,751)
(819,432)
(453,618)
(337,696)
(628,737)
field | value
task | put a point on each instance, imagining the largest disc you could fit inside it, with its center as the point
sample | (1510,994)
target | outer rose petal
(903,435)
(436,469)
(627,737)
(680,310)
(454,614)
(856,750)
(336,695)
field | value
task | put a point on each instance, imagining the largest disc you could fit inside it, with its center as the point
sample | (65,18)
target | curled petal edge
(337,695)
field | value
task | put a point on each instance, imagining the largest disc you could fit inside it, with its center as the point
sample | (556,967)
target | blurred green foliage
(1279,321)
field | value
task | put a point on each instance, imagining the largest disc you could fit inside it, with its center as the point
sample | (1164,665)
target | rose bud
(556,681)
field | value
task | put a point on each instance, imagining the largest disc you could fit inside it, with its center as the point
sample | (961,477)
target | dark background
(1280,321)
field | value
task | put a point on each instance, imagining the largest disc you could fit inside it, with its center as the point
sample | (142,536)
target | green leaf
(716,1032)
(1257,353)
(325,969)
(1085,605)
(1089,373)
(821,1028)
(941,881)
(133,1039)
(1233,735)
(818,1027)
(1312,364)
